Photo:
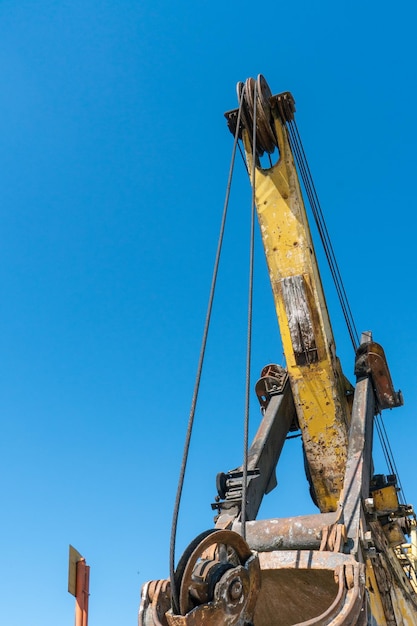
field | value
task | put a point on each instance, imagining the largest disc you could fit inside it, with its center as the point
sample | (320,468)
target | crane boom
(350,564)
(318,385)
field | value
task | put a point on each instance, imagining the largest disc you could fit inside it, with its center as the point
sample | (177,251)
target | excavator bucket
(313,583)
(222,581)
(310,588)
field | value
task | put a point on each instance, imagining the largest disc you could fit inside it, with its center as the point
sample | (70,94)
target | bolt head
(235,589)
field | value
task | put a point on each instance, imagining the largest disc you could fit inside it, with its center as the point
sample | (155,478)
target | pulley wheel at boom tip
(264,122)
(248,108)
(265,135)
(245,116)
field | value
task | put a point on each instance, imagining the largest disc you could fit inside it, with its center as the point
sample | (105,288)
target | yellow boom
(354,562)
(318,385)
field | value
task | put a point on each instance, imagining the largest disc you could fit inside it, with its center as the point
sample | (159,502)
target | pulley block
(217,578)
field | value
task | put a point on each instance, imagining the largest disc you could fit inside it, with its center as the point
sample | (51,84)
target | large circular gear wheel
(265,134)
(231,550)
(264,117)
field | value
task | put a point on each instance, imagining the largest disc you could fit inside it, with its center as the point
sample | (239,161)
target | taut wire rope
(174,590)
(249,331)
(305,172)
(388,454)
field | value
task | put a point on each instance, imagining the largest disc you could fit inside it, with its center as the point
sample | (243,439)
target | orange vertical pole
(86,594)
(82,593)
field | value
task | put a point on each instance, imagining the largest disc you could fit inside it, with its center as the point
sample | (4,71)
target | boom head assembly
(351,562)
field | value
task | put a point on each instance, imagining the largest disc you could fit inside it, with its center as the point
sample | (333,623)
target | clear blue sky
(114,159)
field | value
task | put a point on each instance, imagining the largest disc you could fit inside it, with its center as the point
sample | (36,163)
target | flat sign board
(74,557)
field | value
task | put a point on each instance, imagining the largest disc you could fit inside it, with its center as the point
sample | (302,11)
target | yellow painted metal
(413,553)
(398,606)
(403,607)
(319,387)
(386,499)
(375,601)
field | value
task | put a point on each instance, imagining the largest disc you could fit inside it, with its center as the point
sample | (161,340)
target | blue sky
(114,159)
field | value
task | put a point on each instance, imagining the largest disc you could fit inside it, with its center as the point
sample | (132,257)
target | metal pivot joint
(218,578)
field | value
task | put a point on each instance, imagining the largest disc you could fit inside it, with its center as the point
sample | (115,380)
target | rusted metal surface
(306,570)
(316,378)
(155,602)
(359,463)
(223,541)
(272,382)
(284,104)
(82,593)
(333,537)
(262,459)
(371,360)
(304,532)
(219,583)
(266,140)
(293,587)
(393,581)
(310,588)
(79,585)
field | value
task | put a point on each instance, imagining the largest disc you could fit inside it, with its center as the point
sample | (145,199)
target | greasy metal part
(304,532)
(264,116)
(230,542)
(318,385)
(219,583)
(285,105)
(371,360)
(155,602)
(266,140)
(263,456)
(272,381)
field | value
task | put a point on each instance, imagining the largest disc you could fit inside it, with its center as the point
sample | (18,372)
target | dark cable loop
(174,590)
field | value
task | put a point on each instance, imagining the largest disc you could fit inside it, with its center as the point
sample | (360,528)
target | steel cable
(298,150)
(249,329)
(174,590)
(302,166)
(305,172)
(301,159)
(388,454)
